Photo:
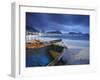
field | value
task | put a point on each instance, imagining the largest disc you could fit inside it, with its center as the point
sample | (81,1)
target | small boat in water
(39,43)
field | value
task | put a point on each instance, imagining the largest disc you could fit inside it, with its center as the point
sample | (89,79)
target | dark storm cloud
(62,22)
(70,19)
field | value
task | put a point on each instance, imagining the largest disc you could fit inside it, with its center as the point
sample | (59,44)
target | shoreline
(69,43)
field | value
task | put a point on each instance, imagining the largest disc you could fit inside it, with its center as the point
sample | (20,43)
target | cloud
(64,22)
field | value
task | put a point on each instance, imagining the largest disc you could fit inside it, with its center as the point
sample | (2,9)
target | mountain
(74,33)
(31,29)
(54,32)
(86,33)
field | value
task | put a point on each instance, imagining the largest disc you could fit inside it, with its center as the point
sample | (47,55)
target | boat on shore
(51,50)
(40,43)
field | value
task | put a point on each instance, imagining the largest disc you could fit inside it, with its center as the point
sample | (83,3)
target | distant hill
(31,29)
(74,33)
(87,34)
(54,32)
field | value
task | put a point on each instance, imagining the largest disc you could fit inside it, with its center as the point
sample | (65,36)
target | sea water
(78,48)
(77,52)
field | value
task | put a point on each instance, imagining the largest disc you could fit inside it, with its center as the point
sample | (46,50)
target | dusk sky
(60,22)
